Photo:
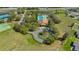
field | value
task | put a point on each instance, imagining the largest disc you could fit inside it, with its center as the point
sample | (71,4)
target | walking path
(36,35)
(22,18)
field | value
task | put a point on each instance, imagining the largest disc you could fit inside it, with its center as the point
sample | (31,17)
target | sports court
(4,27)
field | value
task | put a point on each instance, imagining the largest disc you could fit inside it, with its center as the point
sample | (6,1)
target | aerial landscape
(39,28)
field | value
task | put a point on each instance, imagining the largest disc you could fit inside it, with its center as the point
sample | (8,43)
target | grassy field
(65,21)
(71,38)
(10,40)
(14,41)
(63,27)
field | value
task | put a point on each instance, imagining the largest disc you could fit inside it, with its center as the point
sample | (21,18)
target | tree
(1,21)
(16,27)
(17,18)
(47,42)
(23,30)
(54,31)
(56,11)
(20,28)
(12,16)
(69,39)
(54,18)
(31,8)
(20,10)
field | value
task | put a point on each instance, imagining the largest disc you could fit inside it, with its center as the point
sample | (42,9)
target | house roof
(44,22)
(42,19)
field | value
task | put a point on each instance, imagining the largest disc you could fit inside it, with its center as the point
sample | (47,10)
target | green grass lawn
(67,43)
(10,40)
(63,27)
(14,41)
(71,38)
(65,21)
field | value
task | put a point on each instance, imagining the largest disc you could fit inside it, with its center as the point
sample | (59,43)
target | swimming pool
(42,17)
(4,16)
(4,27)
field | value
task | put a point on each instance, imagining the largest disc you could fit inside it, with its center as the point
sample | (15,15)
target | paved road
(22,18)
(7,9)
(36,33)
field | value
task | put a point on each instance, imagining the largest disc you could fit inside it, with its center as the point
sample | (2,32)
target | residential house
(42,19)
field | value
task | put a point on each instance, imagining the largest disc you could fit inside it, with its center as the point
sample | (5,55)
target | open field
(11,40)
(65,21)
(63,27)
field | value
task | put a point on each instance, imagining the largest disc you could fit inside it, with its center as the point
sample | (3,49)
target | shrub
(47,42)
(54,18)
(23,30)
(12,16)
(67,43)
(17,18)
(20,28)
(16,28)
(1,22)
(41,33)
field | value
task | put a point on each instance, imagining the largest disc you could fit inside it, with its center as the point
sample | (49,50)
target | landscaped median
(4,27)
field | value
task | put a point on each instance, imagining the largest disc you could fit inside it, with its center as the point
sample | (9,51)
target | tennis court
(4,27)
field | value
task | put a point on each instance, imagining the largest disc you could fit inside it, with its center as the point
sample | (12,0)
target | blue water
(4,16)
(42,17)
